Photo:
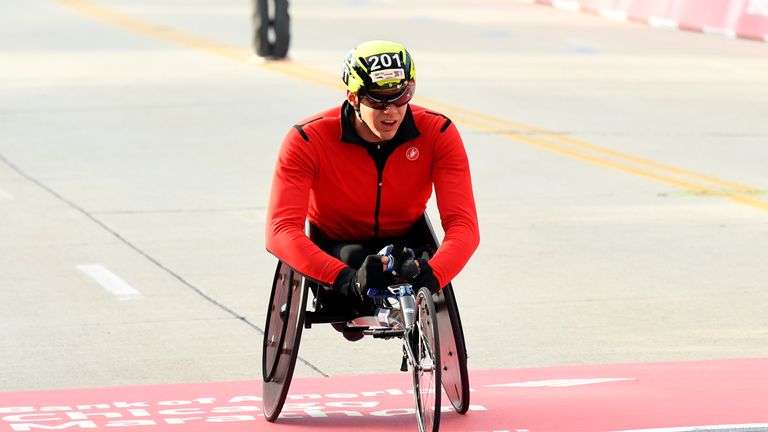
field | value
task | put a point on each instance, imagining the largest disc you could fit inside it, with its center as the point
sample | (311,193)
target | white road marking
(719,32)
(752,427)
(562,382)
(5,195)
(110,282)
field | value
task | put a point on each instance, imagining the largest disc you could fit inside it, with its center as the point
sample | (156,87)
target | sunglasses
(381,101)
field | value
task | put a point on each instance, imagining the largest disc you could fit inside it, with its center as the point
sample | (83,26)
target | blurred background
(619,167)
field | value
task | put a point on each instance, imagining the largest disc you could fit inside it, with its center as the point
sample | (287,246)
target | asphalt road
(620,174)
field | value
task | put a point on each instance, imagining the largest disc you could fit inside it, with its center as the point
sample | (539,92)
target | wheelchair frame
(287,316)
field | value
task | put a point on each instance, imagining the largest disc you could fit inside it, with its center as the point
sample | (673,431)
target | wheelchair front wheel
(427,370)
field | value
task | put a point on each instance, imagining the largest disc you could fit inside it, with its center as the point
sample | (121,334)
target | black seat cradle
(331,308)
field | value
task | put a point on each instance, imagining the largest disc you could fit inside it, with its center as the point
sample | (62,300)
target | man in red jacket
(362,174)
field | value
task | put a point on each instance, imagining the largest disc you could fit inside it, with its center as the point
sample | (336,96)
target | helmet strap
(359,115)
(356,107)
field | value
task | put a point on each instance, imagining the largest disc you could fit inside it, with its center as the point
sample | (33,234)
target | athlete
(361,174)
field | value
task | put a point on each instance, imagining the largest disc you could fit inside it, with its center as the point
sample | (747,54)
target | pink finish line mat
(727,395)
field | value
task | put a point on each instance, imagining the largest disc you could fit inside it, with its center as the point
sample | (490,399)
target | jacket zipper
(380,173)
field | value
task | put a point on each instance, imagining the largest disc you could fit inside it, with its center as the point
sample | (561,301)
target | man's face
(380,119)
(380,124)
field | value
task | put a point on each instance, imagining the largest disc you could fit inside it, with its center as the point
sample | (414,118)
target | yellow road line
(588,158)
(103,14)
(550,141)
(312,75)
(739,194)
(499,122)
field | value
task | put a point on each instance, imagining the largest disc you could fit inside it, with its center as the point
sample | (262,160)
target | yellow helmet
(378,66)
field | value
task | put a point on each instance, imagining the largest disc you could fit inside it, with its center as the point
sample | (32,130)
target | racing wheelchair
(428,325)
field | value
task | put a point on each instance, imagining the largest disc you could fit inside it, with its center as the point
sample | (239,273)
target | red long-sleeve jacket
(351,191)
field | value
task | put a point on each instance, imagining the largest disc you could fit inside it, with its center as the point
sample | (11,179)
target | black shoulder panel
(300,128)
(447,120)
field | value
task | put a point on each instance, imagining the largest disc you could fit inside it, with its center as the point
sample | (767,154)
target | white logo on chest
(412,153)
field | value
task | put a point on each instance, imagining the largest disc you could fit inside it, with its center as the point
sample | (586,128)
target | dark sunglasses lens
(381,102)
(373,103)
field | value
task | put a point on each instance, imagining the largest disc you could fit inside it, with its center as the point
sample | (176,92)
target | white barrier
(731,18)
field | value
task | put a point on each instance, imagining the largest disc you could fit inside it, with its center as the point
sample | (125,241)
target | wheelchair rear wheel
(427,370)
(277,322)
(453,351)
(282,334)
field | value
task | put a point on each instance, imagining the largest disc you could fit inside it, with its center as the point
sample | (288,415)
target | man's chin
(386,135)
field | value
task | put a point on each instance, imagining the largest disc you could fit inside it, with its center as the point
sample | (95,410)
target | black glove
(407,268)
(426,278)
(370,275)
(417,271)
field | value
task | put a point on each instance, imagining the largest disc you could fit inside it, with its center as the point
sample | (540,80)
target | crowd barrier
(733,18)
